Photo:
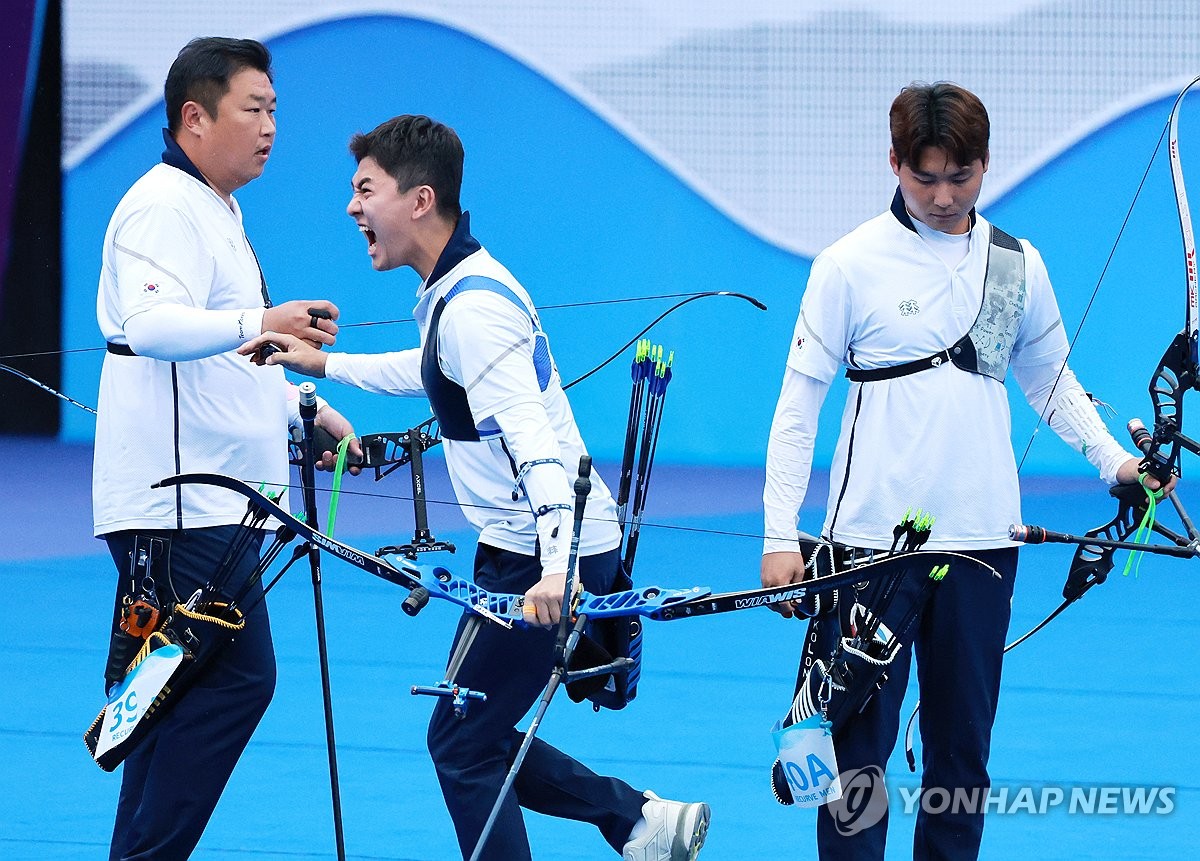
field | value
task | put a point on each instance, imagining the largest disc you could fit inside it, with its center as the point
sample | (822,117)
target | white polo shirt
(938,440)
(173,241)
(485,346)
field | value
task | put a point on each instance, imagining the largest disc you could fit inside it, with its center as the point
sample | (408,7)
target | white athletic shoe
(668,831)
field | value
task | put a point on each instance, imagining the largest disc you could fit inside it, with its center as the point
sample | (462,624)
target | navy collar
(175,157)
(461,246)
(901,212)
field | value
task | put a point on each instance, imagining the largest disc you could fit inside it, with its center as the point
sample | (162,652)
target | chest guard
(987,347)
(447,398)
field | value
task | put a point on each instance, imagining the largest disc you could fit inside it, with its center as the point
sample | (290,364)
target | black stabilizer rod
(308,417)
(1028,534)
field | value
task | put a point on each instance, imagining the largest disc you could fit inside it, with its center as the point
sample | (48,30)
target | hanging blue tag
(128,702)
(808,761)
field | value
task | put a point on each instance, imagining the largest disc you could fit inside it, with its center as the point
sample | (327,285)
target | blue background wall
(578,212)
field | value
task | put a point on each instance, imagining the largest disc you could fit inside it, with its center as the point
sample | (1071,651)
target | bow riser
(1174,375)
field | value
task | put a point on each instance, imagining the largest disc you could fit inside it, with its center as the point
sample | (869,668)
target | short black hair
(202,71)
(942,115)
(416,150)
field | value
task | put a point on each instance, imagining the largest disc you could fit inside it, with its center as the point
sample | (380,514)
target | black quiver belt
(185,640)
(849,648)
(617,639)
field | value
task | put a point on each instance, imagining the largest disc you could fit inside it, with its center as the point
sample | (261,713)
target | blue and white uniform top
(489,344)
(889,293)
(175,253)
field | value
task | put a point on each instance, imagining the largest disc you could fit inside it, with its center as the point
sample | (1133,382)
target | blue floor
(1106,697)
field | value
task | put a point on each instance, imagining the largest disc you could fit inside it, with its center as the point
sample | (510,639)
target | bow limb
(1178,370)
(1185,225)
(1171,130)
(422,581)
(756,303)
(704,605)
(432,432)
(45,388)
(428,424)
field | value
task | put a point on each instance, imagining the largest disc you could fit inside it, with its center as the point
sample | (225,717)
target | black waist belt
(847,557)
(843,555)
(119,349)
(871,375)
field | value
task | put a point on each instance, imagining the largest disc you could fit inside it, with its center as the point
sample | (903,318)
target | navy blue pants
(172,780)
(959,647)
(472,754)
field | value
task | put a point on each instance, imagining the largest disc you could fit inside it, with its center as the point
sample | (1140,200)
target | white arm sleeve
(789,457)
(530,437)
(180,333)
(383,373)
(1072,415)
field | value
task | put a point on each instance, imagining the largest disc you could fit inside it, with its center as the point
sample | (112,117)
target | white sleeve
(1071,415)
(159,258)
(789,457)
(383,373)
(533,445)
(180,333)
(823,328)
